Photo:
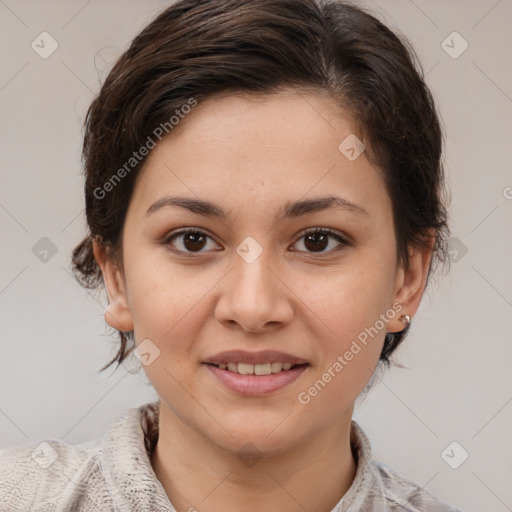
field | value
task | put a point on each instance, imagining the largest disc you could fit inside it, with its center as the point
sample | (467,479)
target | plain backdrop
(456,386)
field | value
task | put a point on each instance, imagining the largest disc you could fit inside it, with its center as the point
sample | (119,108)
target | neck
(199,475)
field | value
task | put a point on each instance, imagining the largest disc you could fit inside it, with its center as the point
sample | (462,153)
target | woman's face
(248,280)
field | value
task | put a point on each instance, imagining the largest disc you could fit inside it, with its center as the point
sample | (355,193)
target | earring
(406,319)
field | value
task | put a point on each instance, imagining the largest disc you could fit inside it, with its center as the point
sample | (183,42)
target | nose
(254,296)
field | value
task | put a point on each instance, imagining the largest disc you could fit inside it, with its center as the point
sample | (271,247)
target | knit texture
(115,474)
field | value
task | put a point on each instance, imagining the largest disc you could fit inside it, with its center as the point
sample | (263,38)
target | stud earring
(406,319)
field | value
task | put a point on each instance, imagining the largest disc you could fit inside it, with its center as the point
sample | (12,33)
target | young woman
(263,188)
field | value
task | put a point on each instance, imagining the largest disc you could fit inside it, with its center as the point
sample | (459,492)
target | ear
(118,313)
(410,284)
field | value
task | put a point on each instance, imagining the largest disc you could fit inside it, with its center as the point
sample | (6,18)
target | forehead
(234,145)
(279,120)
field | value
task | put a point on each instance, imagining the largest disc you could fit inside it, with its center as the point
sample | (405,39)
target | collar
(126,462)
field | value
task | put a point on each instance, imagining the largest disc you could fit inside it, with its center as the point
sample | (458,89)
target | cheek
(349,328)
(348,350)
(349,300)
(167,305)
(159,294)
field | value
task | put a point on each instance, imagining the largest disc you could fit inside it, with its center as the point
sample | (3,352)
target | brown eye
(191,240)
(317,240)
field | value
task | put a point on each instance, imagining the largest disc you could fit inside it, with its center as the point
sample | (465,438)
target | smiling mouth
(257,369)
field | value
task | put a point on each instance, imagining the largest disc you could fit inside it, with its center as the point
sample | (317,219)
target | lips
(255,373)
(256,385)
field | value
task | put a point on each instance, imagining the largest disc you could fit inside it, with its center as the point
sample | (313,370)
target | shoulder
(405,495)
(111,473)
(44,475)
(378,487)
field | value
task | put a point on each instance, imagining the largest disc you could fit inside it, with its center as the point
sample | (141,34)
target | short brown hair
(197,48)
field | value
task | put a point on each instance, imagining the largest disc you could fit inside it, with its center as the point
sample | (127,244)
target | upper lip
(265,356)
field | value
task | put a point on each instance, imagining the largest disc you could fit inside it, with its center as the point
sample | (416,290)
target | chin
(269,437)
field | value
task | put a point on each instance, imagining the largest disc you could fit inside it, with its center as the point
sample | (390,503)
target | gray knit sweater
(115,474)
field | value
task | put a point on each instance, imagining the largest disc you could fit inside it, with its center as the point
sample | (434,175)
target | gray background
(457,384)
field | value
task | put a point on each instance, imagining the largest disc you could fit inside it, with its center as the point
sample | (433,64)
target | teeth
(246,369)
(262,369)
(255,369)
(276,367)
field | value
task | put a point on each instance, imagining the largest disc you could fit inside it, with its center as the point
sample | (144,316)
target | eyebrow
(290,209)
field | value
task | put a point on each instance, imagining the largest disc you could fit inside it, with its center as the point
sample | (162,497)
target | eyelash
(329,232)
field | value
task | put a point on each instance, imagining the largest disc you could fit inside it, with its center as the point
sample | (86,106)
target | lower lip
(256,385)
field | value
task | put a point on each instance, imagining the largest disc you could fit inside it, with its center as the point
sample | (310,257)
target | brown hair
(197,48)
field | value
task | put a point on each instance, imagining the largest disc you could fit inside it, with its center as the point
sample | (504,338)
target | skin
(250,155)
